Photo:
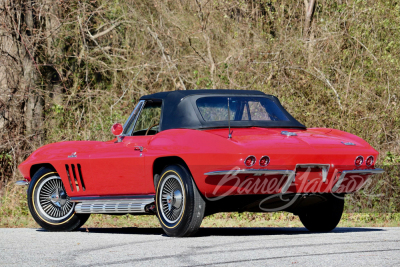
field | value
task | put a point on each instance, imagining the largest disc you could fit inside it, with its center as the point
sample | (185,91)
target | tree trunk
(13,76)
(9,67)
(309,7)
(35,103)
(308,33)
(54,86)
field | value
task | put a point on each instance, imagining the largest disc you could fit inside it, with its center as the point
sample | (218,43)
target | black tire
(55,213)
(180,213)
(324,217)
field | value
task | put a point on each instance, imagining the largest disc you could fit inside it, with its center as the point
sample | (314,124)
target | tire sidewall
(180,226)
(71,222)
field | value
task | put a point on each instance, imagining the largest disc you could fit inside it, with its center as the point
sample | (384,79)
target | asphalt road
(213,246)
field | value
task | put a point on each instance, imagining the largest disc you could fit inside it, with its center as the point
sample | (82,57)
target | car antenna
(229,122)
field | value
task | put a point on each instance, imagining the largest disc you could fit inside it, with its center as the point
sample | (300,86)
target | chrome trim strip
(324,167)
(360,172)
(112,204)
(137,117)
(110,198)
(21,182)
(289,181)
(348,143)
(134,119)
(287,133)
(251,171)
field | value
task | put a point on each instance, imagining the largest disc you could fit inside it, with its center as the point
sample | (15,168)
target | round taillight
(264,161)
(370,161)
(249,161)
(359,161)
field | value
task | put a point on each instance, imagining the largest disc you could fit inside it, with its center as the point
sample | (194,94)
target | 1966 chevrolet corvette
(183,155)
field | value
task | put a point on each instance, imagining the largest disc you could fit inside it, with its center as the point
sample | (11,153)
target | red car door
(118,168)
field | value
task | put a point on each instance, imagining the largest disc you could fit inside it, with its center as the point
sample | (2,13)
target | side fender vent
(80,177)
(79,184)
(76,181)
(69,177)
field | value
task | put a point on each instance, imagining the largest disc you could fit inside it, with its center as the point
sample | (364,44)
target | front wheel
(324,217)
(50,205)
(180,207)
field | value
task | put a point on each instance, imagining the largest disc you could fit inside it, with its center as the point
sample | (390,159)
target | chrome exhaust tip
(151,208)
(22,182)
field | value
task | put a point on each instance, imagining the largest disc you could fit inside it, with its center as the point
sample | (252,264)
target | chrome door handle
(138,148)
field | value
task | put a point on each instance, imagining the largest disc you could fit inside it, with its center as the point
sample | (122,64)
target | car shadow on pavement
(226,231)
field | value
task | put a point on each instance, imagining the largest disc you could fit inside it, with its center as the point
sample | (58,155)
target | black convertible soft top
(179,110)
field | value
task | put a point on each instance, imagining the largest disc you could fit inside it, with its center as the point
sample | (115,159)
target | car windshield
(241,108)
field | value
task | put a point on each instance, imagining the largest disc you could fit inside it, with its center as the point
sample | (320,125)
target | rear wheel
(180,207)
(324,217)
(50,205)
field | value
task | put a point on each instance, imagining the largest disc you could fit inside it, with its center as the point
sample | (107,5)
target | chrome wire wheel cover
(171,198)
(52,200)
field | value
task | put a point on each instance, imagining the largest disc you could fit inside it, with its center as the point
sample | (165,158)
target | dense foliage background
(70,69)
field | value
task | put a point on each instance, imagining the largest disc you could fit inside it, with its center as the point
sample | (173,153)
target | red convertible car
(183,155)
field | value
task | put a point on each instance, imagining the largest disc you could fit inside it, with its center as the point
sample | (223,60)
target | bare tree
(308,34)
(53,24)
(35,102)
(309,8)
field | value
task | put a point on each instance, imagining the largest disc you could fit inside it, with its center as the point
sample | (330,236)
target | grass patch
(231,219)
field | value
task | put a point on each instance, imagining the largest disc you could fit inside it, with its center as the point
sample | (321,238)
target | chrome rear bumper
(251,171)
(359,172)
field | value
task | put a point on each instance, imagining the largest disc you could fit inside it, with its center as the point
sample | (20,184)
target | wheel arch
(36,167)
(160,163)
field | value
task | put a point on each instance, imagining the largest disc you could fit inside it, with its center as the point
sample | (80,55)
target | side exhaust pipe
(151,208)
(22,182)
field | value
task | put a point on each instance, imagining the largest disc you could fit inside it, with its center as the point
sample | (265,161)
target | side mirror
(117,129)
